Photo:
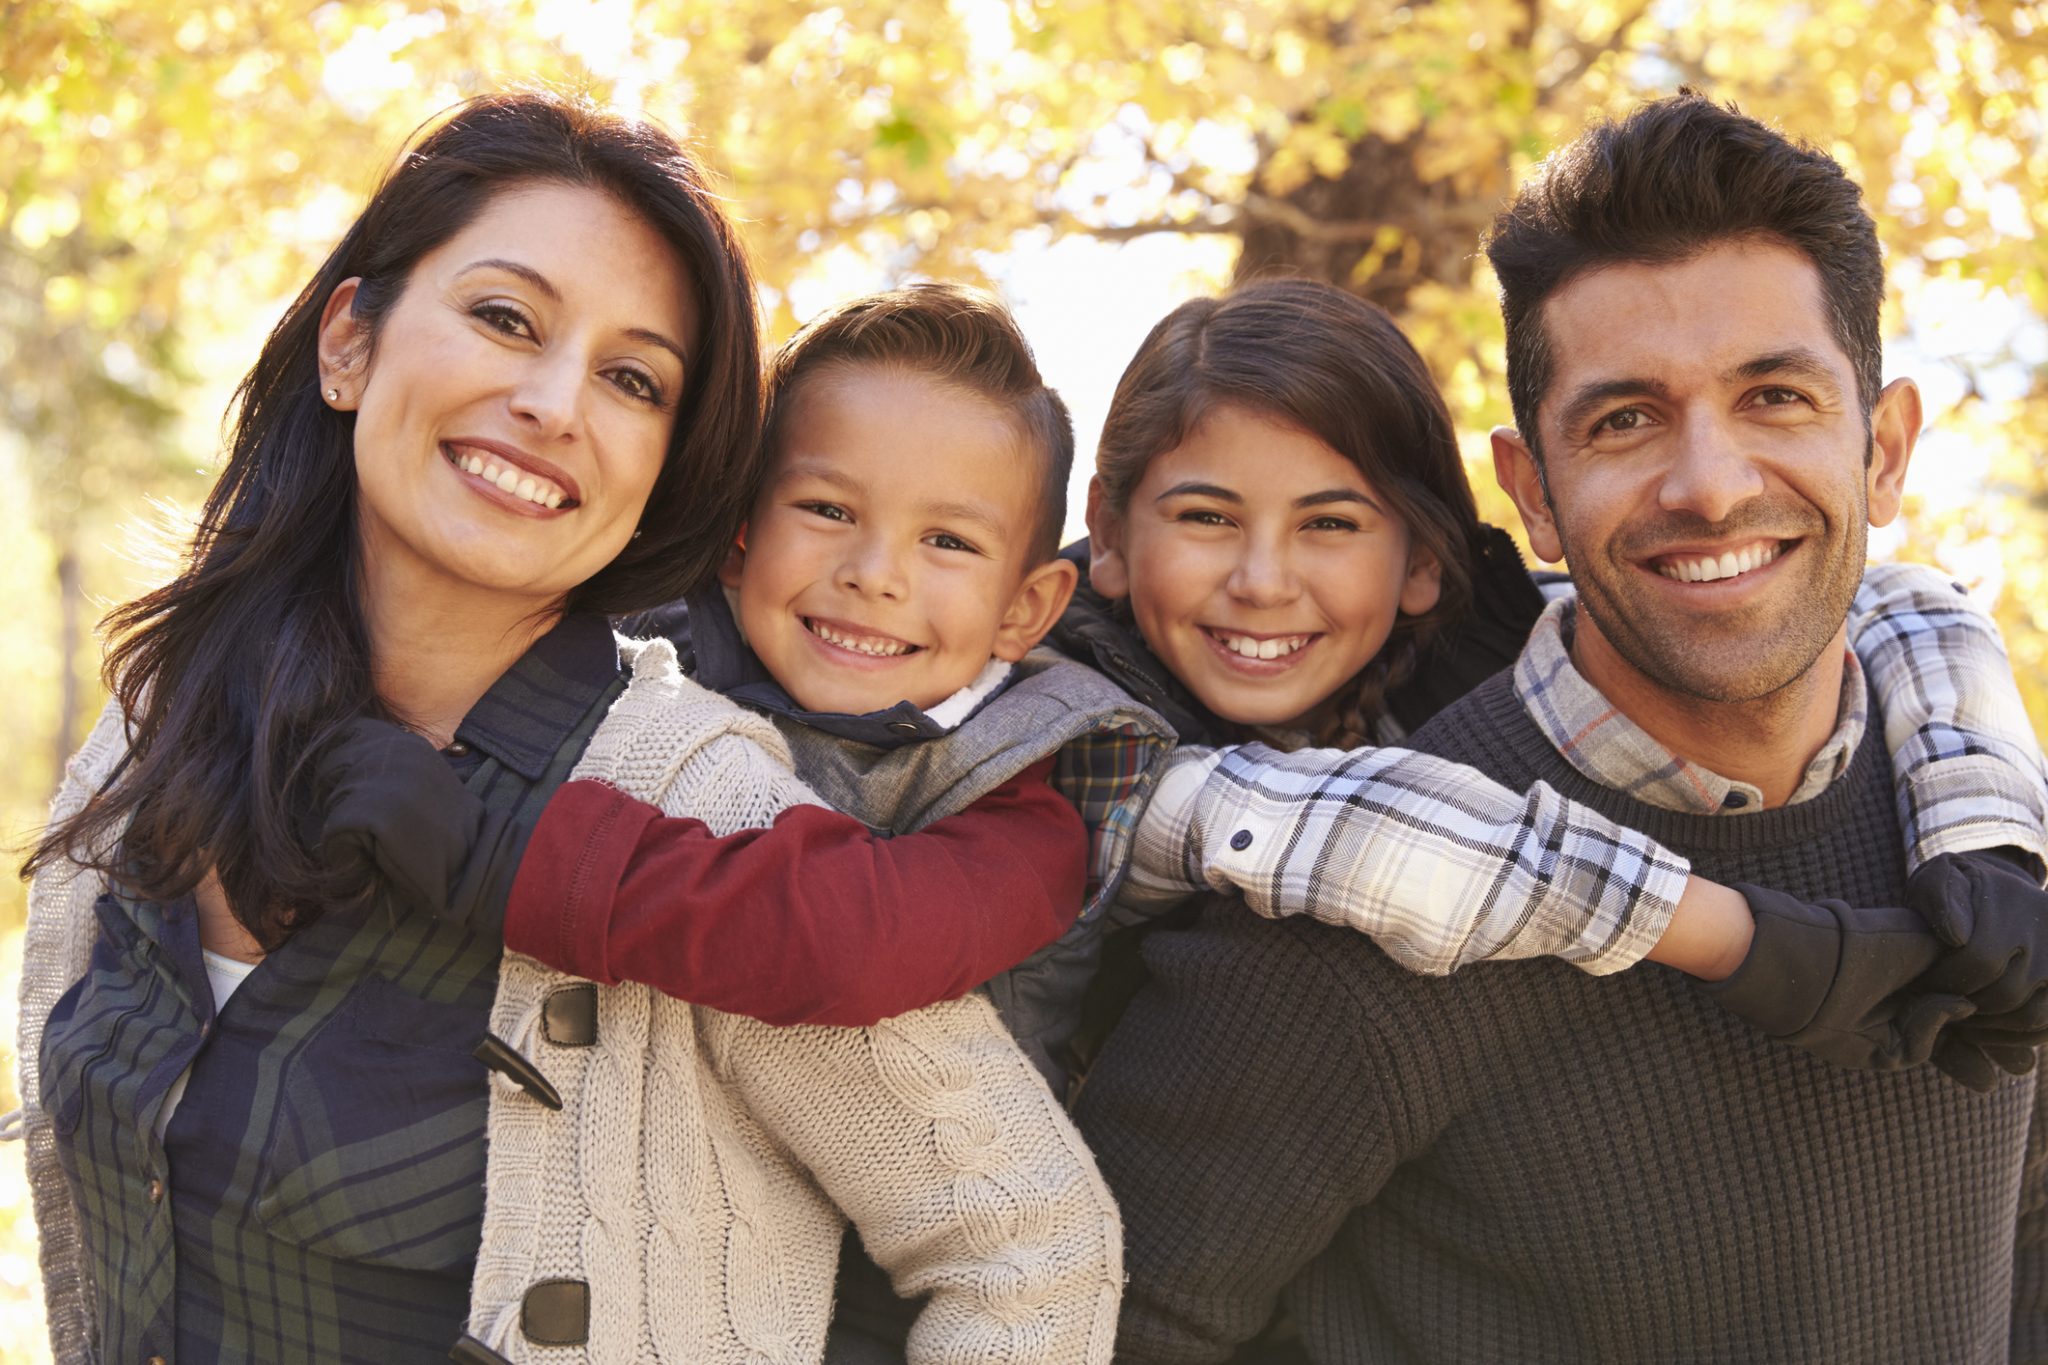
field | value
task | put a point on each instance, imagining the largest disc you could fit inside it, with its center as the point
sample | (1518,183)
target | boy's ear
(1036,608)
(341,348)
(735,561)
(1425,581)
(1107,572)
(1521,478)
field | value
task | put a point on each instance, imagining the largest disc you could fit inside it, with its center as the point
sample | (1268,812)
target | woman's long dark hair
(1339,368)
(238,674)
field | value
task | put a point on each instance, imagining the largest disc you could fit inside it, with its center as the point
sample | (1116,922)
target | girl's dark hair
(238,674)
(1338,368)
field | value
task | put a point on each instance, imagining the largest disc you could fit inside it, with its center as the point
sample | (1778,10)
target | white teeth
(1274,648)
(860,644)
(520,484)
(1710,568)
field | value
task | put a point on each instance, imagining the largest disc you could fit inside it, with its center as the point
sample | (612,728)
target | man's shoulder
(1470,729)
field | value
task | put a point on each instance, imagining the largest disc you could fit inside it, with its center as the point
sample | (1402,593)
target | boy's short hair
(953,334)
(1671,179)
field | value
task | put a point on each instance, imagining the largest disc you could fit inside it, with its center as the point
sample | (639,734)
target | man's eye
(503,317)
(1624,420)
(1778,398)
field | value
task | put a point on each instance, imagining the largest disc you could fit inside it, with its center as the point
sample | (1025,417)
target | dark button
(903,727)
(457,749)
(1241,840)
(470,1351)
(1734,801)
(568,1017)
(556,1313)
(156,1191)
(500,1056)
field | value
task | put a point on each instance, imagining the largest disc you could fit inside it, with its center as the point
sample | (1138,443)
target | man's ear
(1107,572)
(1036,608)
(1425,581)
(342,348)
(735,561)
(1894,429)
(1514,465)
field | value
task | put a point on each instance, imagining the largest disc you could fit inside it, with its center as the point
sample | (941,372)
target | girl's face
(517,408)
(1261,566)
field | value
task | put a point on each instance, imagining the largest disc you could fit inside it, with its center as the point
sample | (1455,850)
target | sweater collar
(724,664)
(1613,751)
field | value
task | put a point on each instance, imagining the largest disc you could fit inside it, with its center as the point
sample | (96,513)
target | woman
(521,393)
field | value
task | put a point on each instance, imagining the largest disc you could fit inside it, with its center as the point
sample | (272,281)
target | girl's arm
(1968,766)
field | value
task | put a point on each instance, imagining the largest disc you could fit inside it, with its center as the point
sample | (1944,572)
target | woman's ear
(342,348)
(1424,585)
(1107,572)
(1036,608)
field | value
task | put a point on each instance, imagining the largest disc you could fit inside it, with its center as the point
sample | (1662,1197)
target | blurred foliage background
(169,174)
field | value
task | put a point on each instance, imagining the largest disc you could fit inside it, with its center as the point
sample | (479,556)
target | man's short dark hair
(1670,180)
(958,336)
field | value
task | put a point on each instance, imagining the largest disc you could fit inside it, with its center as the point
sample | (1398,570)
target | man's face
(1709,469)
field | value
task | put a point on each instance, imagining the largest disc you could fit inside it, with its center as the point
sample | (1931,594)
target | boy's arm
(1968,766)
(967,1180)
(812,919)
(815,919)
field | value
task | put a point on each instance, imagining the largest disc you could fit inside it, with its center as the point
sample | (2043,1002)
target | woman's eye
(503,317)
(638,384)
(830,511)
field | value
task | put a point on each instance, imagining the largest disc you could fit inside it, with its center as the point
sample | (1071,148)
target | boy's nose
(872,569)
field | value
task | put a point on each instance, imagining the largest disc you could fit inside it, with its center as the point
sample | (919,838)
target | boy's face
(888,557)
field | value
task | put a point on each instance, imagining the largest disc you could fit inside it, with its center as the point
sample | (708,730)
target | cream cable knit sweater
(696,1176)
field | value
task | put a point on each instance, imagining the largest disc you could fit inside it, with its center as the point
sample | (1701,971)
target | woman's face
(518,404)
(1262,568)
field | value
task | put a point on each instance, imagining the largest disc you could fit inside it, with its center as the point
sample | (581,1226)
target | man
(1523,1162)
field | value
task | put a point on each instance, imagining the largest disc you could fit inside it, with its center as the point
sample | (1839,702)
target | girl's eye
(1202,516)
(1331,524)
(830,511)
(946,540)
(503,317)
(638,384)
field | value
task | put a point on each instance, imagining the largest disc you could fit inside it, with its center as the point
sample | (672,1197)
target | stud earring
(636,535)
(334,395)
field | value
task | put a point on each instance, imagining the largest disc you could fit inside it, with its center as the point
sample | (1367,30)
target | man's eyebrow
(1330,495)
(1192,488)
(1592,397)
(1795,363)
(547,287)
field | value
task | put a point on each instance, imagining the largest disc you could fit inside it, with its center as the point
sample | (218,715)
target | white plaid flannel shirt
(1442,866)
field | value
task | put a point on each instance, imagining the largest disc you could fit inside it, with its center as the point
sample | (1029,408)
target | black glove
(1840,983)
(392,812)
(1989,909)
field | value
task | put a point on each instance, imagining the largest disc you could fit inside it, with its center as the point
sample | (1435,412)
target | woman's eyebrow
(1192,488)
(547,287)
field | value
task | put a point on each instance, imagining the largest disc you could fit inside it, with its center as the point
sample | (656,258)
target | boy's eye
(946,540)
(503,317)
(830,511)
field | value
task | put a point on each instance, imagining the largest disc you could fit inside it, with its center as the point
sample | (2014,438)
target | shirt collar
(534,706)
(725,664)
(1612,750)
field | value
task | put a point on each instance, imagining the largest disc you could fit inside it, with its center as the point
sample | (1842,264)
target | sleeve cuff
(560,907)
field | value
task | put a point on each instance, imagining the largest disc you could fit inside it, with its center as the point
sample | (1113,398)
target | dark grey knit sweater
(1522,1163)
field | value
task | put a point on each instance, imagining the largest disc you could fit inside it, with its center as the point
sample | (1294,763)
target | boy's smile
(886,559)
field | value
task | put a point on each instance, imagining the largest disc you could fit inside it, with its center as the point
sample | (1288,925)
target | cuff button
(1241,840)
